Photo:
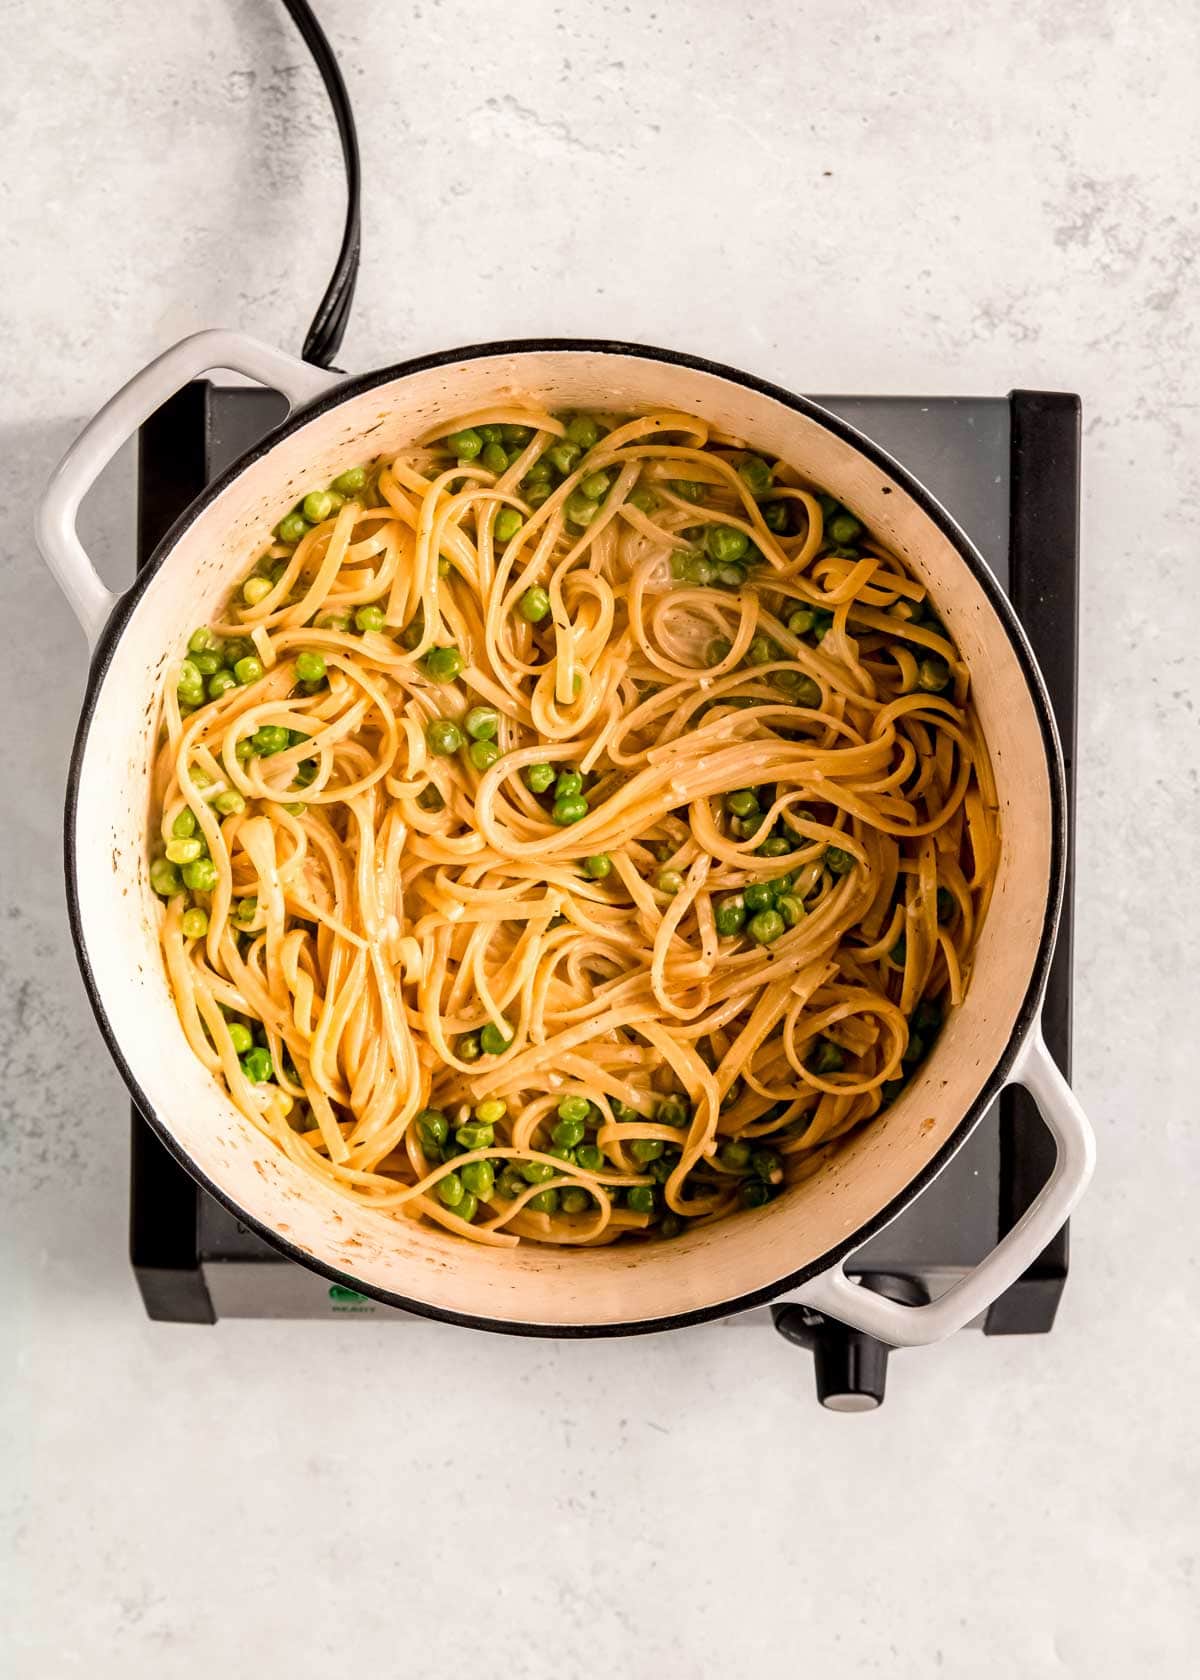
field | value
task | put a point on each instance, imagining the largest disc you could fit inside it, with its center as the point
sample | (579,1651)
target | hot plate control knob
(851,1368)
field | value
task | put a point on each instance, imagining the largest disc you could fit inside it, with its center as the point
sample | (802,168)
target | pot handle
(57,536)
(835,1295)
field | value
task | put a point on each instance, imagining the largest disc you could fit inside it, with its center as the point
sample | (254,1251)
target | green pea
(774,846)
(369,618)
(317,506)
(822,623)
(670,1225)
(641,1198)
(433,1128)
(742,802)
(672,1111)
(689,489)
(508,523)
(597,867)
(208,664)
(767,1164)
(482,723)
(574,1200)
(189,676)
(933,675)
(165,878)
(594,486)
(494,1040)
(310,667)
(185,824)
(718,650)
(758,895)
(754,1193)
(248,670)
(184,851)
(755,474)
(492,434)
(536,1172)
(537,493)
(569,782)
(790,908)
(581,510)
(679,566)
(726,544)
(574,1111)
(546,1201)
(839,862)
(475,1134)
(444,664)
(829,505)
(483,754)
(730,915)
(511,1183)
(591,1157)
(291,528)
(645,1150)
(745,828)
(257,1066)
(450,1190)
(466,445)
(245,910)
(353,479)
(229,803)
(516,437)
(443,737)
(843,528)
(568,810)
(538,777)
(698,570)
(564,455)
(669,881)
(534,604)
(270,739)
(644,500)
(761,651)
(336,621)
(494,458)
(200,875)
(890,1090)
(203,641)
(735,1155)
(194,924)
(947,904)
(806,691)
(469,1048)
(469,1206)
(732,575)
(766,927)
(827,1058)
(583,430)
(480,1179)
(775,516)
(336,502)
(801,621)
(539,473)
(240,1037)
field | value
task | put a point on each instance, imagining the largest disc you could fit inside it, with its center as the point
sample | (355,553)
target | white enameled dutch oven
(797,1244)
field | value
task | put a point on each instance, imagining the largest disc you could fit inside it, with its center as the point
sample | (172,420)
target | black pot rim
(1026,1016)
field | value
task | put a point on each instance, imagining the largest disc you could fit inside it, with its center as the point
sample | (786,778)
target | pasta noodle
(574,826)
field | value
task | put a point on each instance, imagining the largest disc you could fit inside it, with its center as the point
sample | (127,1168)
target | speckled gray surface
(861,197)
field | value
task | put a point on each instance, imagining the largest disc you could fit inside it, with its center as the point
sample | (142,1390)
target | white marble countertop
(859,197)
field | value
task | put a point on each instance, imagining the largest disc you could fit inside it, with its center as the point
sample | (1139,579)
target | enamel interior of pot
(531,1285)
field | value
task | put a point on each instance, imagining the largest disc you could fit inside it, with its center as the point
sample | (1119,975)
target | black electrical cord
(329,323)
